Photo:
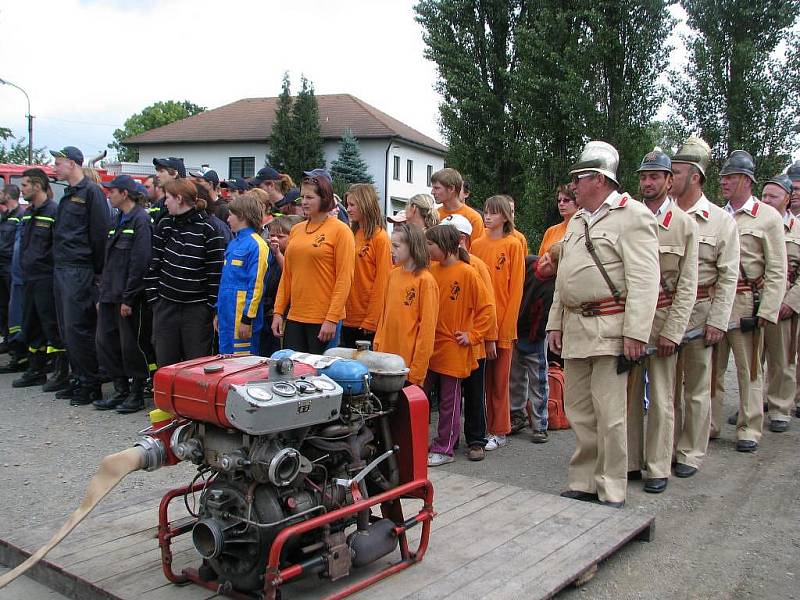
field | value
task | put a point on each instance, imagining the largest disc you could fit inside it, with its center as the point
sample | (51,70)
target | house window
(429,175)
(241,166)
(410,171)
(396,169)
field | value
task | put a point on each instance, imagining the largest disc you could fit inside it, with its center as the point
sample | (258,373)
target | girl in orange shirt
(503,254)
(408,322)
(373,263)
(465,317)
(317,272)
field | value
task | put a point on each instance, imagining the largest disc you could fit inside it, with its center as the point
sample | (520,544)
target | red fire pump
(292,453)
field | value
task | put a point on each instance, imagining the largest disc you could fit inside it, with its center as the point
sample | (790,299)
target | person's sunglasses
(576,178)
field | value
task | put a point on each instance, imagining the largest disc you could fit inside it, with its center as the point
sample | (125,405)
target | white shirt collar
(663,208)
(608,202)
(746,207)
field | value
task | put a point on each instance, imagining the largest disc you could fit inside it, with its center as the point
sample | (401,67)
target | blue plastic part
(350,374)
(285,353)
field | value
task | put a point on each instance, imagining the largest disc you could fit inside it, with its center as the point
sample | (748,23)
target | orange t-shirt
(317,272)
(408,323)
(373,263)
(553,234)
(464,305)
(522,240)
(486,279)
(472,215)
(506,264)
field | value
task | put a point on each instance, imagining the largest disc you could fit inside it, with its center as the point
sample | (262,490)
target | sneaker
(519,421)
(539,437)
(436,459)
(495,442)
(476,453)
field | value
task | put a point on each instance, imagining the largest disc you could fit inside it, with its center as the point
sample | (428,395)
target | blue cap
(210,175)
(140,189)
(291,197)
(70,152)
(267,174)
(171,163)
(318,173)
(123,182)
(237,183)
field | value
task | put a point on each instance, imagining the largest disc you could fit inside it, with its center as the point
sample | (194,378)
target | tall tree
(281,140)
(349,167)
(16,153)
(741,88)
(155,115)
(306,137)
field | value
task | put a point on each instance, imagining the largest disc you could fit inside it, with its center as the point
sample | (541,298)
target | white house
(234,141)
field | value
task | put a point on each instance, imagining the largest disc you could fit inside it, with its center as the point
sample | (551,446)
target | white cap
(600,157)
(399,217)
(460,222)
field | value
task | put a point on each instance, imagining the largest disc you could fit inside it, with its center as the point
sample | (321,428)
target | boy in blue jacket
(240,313)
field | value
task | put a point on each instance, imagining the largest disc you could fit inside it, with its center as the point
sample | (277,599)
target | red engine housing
(197,389)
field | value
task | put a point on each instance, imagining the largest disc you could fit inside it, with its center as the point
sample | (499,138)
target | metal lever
(365,471)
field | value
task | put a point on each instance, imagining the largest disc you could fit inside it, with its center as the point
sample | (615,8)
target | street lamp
(30,119)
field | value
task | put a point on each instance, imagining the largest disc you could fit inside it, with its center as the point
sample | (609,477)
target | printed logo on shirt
(455,290)
(77,200)
(411,294)
(501,260)
(364,251)
(320,239)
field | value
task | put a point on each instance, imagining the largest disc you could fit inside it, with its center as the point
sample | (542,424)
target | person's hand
(245,331)
(666,347)
(632,349)
(216,323)
(277,325)
(713,335)
(327,331)
(785,312)
(762,322)
(462,337)
(491,350)
(276,249)
(125,310)
(554,341)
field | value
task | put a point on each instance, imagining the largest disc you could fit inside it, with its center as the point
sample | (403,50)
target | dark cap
(318,173)
(794,171)
(267,174)
(123,183)
(655,161)
(70,152)
(291,197)
(210,176)
(739,162)
(171,163)
(237,183)
(782,181)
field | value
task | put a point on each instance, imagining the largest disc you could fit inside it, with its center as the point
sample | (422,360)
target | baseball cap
(399,217)
(123,182)
(70,152)
(171,163)
(318,173)
(267,174)
(237,183)
(210,176)
(291,197)
(460,222)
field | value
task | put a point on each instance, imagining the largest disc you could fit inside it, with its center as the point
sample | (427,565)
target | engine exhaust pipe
(374,542)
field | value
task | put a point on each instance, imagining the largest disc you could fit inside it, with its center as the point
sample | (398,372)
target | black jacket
(128,251)
(187,260)
(82,227)
(9,222)
(36,243)
(537,297)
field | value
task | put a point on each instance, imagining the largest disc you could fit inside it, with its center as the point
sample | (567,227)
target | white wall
(214,155)
(400,190)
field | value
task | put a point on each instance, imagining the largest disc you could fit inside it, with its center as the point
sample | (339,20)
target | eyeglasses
(576,178)
(564,200)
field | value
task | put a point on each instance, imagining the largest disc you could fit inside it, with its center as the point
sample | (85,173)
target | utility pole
(29,116)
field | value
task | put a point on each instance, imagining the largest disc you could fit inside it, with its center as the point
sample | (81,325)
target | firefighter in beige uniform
(780,339)
(603,307)
(717,273)
(794,207)
(759,294)
(677,239)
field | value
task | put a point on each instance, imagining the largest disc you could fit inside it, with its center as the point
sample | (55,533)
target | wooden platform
(488,539)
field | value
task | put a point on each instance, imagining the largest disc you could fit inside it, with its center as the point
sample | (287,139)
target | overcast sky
(87,65)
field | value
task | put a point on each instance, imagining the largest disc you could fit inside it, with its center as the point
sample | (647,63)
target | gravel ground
(729,532)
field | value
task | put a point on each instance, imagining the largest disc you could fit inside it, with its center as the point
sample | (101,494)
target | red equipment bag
(556,417)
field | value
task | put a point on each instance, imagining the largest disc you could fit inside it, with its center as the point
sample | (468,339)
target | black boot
(135,401)
(70,390)
(121,391)
(35,374)
(87,393)
(4,347)
(60,379)
(17,364)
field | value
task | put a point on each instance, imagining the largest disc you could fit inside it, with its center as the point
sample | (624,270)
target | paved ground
(729,532)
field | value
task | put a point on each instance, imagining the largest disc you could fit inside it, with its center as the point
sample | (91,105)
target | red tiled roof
(251,119)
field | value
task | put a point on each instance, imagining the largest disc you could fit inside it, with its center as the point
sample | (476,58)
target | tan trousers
(692,403)
(751,409)
(780,377)
(797,374)
(651,449)
(594,400)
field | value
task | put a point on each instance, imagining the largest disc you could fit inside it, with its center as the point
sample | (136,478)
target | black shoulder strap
(590,248)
